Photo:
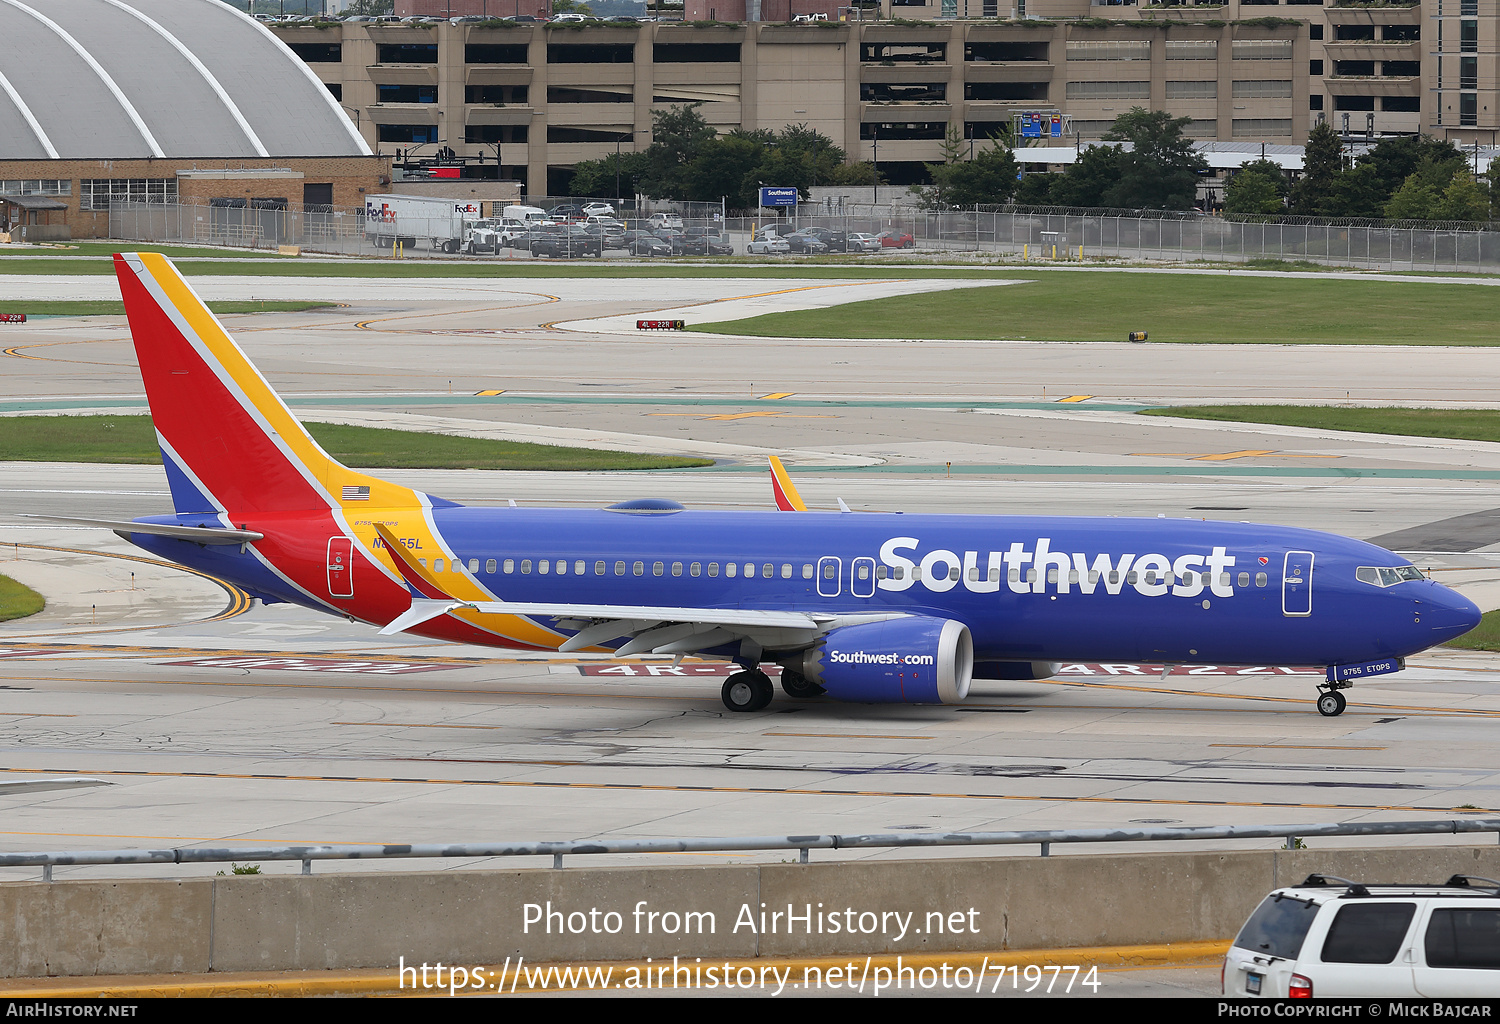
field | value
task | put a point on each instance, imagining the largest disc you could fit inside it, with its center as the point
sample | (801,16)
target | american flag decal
(356,494)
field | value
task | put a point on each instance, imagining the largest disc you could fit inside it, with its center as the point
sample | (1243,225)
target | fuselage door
(340,567)
(1296,583)
(862,577)
(830,574)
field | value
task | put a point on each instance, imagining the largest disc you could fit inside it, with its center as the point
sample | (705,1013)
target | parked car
(896,240)
(836,241)
(598,210)
(664,220)
(861,242)
(707,245)
(565,241)
(644,243)
(1330,937)
(516,234)
(806,244)
(565,212)
(768,245)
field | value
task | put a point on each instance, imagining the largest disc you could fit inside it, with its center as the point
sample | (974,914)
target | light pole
(875,161)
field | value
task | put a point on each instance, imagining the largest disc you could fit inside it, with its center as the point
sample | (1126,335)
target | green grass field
(1462,424)
(1483,637)
(131,439)
(17,601)
(108,249)
(1170,308)
(105,307)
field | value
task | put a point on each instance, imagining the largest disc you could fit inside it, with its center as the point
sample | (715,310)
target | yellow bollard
(1025,252)
(1080,252)
(1054,251)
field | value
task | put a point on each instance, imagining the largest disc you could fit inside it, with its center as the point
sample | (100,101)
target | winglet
(419,580)
(787,498)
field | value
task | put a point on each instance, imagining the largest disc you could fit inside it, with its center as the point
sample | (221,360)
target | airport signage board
(776,196)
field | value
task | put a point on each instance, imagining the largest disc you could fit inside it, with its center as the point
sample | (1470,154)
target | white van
(526,214)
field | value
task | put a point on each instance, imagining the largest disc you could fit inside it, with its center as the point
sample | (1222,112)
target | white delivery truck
(442,224)
(533,215)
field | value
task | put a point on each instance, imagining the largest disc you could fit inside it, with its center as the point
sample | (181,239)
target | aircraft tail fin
(787,498)
(228,441)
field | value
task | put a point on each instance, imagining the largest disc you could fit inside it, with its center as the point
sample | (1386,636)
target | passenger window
(562,566)
(828,571)
(422,562)
(1260,579)
(598,568)
(473,565)
(1464,937)
(639,568)
(881,572)
(1015,575)
(1244,579)
(807,570)
(657,568)
(437,565)
(695,569)
(898,573)
(995,575)
(580,567)
(731,568)
(509,565)
(864,572)
(767,570)
(974,574)
(1051,575)
(1072,575)
(543,567)
(619,568)
(916,572)
(489,566)
(676,568)
(713,569)
(1130,578)
(1114,577)
(1030,575)
(1094,576)
(786,570)
(1367,933)
(525,567)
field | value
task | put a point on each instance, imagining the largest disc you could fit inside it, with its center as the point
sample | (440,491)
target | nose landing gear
(1331,703)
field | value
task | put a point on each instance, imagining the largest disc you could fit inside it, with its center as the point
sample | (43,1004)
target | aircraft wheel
(747,691)
(797,685)
(1331,704)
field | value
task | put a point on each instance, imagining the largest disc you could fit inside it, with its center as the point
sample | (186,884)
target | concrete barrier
(346,920)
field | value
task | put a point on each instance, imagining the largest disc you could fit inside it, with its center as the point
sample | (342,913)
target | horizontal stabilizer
(196,534)
(421,610)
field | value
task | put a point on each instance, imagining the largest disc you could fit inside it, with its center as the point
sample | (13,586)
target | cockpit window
(1381,576)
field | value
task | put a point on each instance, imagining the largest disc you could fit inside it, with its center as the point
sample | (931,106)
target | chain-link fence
(1034,233)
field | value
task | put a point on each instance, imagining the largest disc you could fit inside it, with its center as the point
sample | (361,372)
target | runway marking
(364,325)
(1290,746)
(425,725)
(1366,709)
(756,790)
(1248,453)
(848,736)
(777,395)
(33,714)
(320,665)
(1075,398)
(489,394)
(239,601)
(746,415)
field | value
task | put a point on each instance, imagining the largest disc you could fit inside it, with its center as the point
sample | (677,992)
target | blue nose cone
(1445,615)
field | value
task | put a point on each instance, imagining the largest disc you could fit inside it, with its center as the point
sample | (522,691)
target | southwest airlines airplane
(863,607)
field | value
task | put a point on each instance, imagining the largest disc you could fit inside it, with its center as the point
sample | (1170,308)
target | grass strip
(1460,424)
(18,601)
(107,307)
(1483,637)
(1169,307)
(132,439)
(107,249)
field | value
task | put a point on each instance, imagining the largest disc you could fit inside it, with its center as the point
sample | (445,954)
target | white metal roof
(84,79)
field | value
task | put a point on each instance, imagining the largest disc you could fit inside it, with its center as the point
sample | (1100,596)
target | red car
(896,240)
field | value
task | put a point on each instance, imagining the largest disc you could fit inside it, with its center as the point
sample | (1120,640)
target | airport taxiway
(203,720)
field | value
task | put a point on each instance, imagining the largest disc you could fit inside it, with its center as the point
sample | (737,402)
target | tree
(1161,170)
(677,135)
(1257,187)
(1464,199)
(1414,200)
(1096,171)
(1397,159)
(370,8)
(1322,162)
(1356,192)
(988,178)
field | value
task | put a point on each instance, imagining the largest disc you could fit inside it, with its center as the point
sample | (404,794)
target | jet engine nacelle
(915,660)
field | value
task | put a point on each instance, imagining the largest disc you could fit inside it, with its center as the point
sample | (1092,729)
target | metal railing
(801,843)
(1035,232)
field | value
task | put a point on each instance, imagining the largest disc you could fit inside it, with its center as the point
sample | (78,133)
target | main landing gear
(750,690)
(1331,703)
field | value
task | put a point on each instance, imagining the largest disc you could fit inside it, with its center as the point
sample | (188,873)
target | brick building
(159,100)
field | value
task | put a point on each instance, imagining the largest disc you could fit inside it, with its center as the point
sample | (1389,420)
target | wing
(644,628)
